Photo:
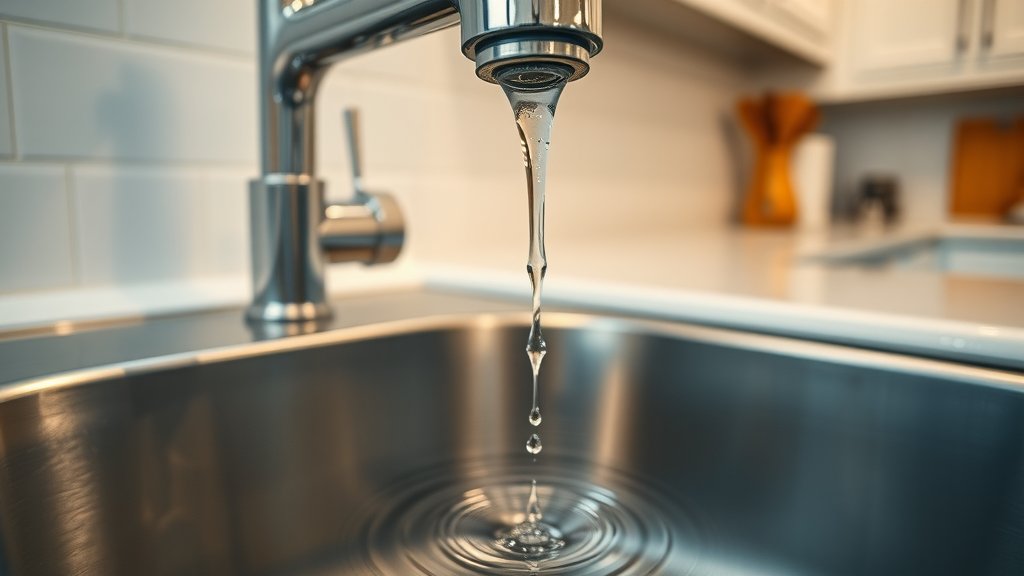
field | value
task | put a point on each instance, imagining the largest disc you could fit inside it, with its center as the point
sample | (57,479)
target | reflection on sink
(991,255)
(773,456)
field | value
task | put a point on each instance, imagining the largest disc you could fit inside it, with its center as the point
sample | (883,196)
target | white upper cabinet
(1003,28)
(899,33)
(815,14)
(799,27)
(898,48)
(859,49)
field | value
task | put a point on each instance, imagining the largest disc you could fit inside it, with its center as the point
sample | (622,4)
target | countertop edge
(947,339)
(960,341)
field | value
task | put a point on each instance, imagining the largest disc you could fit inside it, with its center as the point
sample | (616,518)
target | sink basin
(765,455)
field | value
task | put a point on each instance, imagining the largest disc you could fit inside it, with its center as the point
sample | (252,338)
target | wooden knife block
(775,123)
(770,199)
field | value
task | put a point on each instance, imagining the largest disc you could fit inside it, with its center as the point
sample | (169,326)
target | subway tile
(138,224)
(434,60)
(455,215)
(110,99)
(6,137)
(396,126)
(226,222)
(35,244)
(224,24)
(89,14)
(426,130)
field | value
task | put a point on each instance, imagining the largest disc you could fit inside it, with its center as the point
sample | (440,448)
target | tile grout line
(135,40)
(30,292)
(127,162)
(122,29)
(69,195)
(205,264)
(10,89)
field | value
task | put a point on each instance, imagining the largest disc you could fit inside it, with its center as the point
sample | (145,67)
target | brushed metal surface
(250,459)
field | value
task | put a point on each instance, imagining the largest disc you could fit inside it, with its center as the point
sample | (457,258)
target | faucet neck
(298,41)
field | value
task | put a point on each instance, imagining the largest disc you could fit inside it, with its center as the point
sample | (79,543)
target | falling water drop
(533,512)
(535,417)
(533,445)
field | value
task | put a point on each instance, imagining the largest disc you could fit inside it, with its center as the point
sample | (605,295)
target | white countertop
(761,280)
(749,279)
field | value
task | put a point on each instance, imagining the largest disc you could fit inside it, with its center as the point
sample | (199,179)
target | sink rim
(782,345)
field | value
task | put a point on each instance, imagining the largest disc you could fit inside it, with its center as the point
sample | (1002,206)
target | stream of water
(533,92)
(524,520)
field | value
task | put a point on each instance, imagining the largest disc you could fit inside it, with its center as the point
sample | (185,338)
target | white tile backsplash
(6,138)
(35,247)
(431,61)
(223,24)
(634,150)
(117,100)
(415,130)
(138,224)
(226,222)
(158,129)
(90,14)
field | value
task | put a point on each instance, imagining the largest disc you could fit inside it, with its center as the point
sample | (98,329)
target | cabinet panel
(1003,27)
(816,14)
(756,21)
(899,33)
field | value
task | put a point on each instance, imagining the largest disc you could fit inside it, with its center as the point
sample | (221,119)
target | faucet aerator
(533,76)
(537,54)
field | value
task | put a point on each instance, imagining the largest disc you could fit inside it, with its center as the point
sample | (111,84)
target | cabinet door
(816,14)
(1003,27)
(901,33)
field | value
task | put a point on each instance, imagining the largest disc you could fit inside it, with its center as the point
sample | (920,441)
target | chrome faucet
(292,231)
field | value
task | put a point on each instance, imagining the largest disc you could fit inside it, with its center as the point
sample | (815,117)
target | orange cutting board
(988,167)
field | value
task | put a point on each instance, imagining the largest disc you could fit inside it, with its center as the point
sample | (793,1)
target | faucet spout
(499,33)
(299,40)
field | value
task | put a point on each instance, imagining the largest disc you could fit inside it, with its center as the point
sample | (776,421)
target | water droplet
(535,358)
(535,417)
(533,513)
(531,540)
(455,517)
(533,445)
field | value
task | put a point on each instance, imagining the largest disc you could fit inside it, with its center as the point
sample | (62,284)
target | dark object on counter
(775,123)
(988,167)
(879,199)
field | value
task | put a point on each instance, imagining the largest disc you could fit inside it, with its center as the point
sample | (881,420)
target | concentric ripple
(475,522)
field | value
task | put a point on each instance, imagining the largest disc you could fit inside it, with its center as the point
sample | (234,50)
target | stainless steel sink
(779,456)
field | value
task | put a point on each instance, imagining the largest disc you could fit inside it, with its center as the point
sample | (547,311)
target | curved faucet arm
(297,43)
(292,233)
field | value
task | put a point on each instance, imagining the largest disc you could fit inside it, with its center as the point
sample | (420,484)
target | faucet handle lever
(370,227)
(351,121)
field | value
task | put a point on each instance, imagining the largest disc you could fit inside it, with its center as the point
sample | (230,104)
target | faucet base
(294,235)
(288,311)
(287,262)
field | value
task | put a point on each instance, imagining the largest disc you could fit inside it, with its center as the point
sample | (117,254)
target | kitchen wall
(912,139)
(128,131)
